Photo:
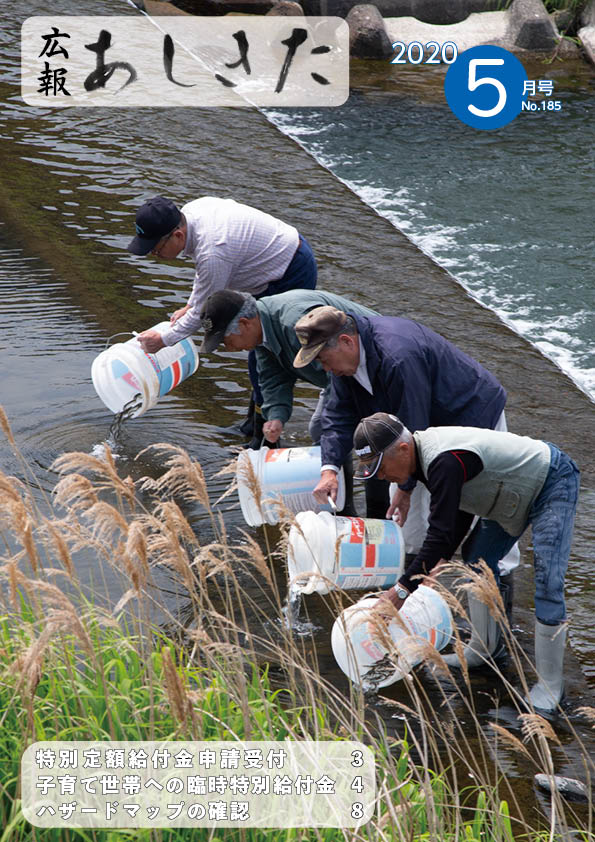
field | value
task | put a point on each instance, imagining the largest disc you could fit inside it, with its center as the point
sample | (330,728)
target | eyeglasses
(159,247)
(366,470)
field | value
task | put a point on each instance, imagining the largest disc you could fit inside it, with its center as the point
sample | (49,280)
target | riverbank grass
(226,667)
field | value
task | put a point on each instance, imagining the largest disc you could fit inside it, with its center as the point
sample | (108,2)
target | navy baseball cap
(154,220)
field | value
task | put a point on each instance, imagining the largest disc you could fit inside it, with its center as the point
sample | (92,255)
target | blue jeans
(552,519)
(302,273)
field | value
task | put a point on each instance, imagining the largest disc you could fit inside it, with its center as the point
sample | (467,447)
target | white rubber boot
(485,636)
(549,663)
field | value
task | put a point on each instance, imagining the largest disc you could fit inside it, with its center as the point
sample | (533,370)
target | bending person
(233,246)
(267,327)
(517,481)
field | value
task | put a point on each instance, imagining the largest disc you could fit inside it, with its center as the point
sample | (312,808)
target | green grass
(232,671)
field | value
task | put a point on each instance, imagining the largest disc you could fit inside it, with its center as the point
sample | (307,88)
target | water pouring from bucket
(325,552)
(287,476)
(127,378)
(372,654)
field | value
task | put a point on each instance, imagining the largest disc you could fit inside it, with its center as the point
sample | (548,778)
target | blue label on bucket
(121,371)
(369,554)
(291,474)
(173,364)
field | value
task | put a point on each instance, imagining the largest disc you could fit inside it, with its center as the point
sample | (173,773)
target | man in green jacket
(266,325)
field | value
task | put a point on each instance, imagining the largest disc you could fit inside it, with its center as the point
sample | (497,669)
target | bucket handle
(115,335)
(333,506)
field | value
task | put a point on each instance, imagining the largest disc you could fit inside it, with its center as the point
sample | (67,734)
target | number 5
(474,83)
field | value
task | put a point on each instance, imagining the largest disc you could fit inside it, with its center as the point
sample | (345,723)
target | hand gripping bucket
(362,655)
(326,552)
(287,475)
(124,370)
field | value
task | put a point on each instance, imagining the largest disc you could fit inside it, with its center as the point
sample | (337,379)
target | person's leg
(377,498)
(315,430)
(302,272)
(416,525)
(487,541)
(315,425)
(512,559)
(552,521)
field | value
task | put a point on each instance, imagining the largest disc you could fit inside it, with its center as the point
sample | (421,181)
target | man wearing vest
(512,480)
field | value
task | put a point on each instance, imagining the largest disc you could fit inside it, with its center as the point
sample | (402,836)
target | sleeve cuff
(329,468)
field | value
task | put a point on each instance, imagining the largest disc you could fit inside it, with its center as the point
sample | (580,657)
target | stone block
(587,39)
(367,33)
(286,8)
(588,14)
(530,26)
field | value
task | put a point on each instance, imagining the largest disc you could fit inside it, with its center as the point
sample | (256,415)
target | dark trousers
(302,273)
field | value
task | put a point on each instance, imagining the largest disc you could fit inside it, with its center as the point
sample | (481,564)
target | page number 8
(475,83)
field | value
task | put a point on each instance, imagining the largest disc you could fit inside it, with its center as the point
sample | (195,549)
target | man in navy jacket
(394,365)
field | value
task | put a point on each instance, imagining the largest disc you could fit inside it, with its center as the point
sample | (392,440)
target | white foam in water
(99,450)
(471,268)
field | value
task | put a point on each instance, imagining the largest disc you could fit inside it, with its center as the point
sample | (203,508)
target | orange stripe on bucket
(176,370)
(357,530)
(370,556)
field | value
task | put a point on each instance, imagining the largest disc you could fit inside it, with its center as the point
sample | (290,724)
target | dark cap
(154,220)
(371,438)
(315,329)
(219,311)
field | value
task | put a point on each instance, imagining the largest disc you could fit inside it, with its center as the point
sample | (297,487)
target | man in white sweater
(233,246)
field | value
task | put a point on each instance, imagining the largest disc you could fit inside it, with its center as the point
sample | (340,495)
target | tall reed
(226,666)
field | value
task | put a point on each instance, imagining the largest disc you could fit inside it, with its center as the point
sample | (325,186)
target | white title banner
(198,784)
(184,61)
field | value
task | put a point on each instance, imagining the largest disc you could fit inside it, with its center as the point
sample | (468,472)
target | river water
(71,180)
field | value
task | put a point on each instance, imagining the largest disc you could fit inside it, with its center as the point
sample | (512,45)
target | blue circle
(484,87)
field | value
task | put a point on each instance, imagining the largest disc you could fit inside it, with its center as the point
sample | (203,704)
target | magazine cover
(297,467)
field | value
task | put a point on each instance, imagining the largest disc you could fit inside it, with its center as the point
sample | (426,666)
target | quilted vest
(514,471)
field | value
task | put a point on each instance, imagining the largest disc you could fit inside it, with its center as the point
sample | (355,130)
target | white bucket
(357,648)
(343,552)
(124,370)
(287,475)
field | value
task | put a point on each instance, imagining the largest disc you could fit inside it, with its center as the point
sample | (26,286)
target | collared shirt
(233,246)
(361,374)
(363,378)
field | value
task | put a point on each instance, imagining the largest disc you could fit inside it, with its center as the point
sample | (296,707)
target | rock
(568,787)
(367,33)
(427,11)
(286,7)
(223,7)
(588,14)
(562,19)
(587,39)
(530,26)
(567,49)
(484,28)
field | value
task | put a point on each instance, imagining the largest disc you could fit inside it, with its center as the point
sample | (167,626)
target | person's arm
(410,392)
(276,385)
(212,274)
(447,524)
(339,420)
